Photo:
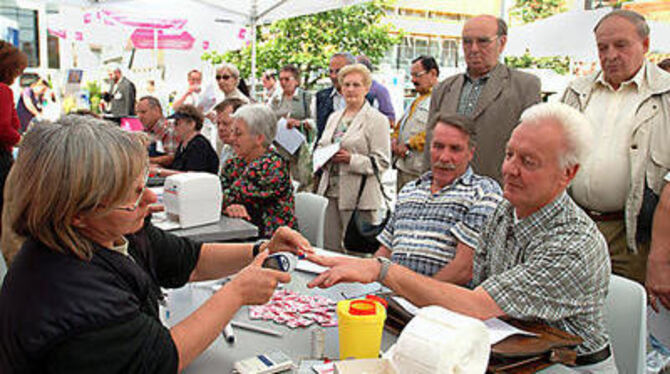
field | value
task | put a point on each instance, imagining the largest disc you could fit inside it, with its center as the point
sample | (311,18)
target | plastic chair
(3,269)
(626,314)
(310,209)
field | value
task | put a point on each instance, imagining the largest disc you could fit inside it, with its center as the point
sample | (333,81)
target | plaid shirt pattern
(162,130)
(425,228)
(472,89)
(552,265)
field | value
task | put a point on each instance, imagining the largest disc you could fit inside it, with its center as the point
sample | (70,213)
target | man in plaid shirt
(163,140)
(438,217)
(539,258)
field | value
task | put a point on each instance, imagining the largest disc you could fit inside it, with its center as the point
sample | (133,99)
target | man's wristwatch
(386,264)
(256,249)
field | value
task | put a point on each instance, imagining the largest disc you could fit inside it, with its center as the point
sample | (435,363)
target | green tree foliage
(559,64)
(309,41)
(532,10)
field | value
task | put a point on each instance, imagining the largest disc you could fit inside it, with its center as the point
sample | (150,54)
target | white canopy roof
(571,34)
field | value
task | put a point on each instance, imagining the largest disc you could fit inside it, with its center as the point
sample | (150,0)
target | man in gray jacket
(121,94)
(489,92)
(628,105)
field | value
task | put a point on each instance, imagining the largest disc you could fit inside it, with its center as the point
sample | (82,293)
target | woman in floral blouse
(256,183)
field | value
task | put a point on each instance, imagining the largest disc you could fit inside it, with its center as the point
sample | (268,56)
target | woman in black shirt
(195,153)
(82,293)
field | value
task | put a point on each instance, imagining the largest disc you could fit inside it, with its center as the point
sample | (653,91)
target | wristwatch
(386,264)
(255,250)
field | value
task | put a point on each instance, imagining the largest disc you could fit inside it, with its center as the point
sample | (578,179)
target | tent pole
(254,20)
(253,59)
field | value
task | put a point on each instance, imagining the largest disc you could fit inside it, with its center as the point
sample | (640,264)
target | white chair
(3,269)
(310,209)
(626,315)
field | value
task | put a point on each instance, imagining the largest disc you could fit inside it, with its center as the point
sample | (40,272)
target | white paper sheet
(406,304)
(322,155)
(498,329)
(208,98)
(289,139)
(310,267)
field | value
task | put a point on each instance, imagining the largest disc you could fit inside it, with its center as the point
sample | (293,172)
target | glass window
(28,35)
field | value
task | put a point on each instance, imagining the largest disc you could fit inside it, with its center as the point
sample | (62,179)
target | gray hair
(152,101)
(76,166)
(260,120)
(346,55)
(635,18)
(502,27)
(465,124)
(230,67)
(576,129)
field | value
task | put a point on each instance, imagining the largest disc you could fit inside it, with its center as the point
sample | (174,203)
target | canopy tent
(241,12)
(571,34)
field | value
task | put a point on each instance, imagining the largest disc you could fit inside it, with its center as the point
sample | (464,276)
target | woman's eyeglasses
(134,207)
(223,77)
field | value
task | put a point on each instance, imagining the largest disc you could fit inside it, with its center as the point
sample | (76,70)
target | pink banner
(144,21)
(144,39)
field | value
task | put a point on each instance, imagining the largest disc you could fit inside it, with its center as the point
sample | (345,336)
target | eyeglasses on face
(134,207)
(483,41)
(418,74)
(223,77)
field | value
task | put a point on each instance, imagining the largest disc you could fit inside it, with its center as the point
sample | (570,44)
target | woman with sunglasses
(195,152)
(82,293)
(228,79)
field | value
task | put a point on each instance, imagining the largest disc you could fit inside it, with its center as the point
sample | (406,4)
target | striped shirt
(552,265)
(425,228)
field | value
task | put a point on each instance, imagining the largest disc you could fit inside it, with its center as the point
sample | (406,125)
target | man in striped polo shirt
(438,217)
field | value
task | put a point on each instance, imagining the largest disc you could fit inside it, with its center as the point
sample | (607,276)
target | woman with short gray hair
(83,291)
(256,183)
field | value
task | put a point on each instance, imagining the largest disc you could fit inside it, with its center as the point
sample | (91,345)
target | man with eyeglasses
(330,99)
(489,92)
(409,136)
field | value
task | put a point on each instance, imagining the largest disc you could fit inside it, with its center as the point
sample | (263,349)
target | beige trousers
(624,262)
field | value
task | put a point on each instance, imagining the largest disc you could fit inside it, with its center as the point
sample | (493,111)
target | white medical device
(192,199)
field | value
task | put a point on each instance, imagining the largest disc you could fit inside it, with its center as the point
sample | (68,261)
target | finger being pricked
(286,239)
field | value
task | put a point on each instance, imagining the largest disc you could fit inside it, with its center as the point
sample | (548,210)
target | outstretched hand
(344,270)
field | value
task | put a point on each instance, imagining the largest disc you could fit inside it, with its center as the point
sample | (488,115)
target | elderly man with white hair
(539,257)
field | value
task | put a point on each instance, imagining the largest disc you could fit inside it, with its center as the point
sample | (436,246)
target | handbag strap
(381,187)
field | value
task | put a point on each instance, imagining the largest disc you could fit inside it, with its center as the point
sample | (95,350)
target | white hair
(577,133)
(260,120)
(230,67)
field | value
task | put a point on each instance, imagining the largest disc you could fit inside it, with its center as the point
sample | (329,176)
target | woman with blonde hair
(363,134)
(82,293)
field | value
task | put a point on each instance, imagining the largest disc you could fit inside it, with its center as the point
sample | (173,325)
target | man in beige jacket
(628,104)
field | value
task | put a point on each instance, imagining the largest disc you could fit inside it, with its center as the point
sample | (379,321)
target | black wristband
(256,249)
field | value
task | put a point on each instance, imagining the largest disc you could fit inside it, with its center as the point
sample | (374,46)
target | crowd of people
(506,206)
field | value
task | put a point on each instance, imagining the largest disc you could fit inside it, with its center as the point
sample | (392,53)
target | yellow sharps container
(360,326)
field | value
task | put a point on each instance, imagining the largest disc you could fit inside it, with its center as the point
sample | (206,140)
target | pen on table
(250,327)
(228,333)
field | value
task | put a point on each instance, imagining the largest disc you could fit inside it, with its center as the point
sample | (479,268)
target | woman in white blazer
(362,132)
